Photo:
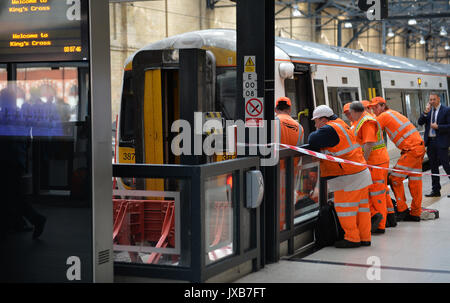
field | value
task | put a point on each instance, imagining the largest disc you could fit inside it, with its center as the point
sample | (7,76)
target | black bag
(328,229)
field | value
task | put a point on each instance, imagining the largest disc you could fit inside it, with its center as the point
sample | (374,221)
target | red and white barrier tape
(339,160)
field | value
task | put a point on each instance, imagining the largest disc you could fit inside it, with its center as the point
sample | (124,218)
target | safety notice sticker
(249,64)
(254,112)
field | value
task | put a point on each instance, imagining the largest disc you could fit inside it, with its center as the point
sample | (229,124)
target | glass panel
(46,216)
(291,93)
(338,97)
(147,224)
(306,188)
(319,92)
(370,79)
(282,187)
(394,100)
(413,108)
(128,110)
(219,225)
(3,77)
(226,92)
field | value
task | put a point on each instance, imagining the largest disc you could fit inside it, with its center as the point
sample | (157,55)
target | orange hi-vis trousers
(410,160)
(377,193)
(352,208)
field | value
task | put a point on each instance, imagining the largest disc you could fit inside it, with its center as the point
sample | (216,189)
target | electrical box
(255,188)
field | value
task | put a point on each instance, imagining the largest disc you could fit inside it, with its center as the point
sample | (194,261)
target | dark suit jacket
(443,122)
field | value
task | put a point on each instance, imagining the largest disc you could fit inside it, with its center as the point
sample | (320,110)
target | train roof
(303,51)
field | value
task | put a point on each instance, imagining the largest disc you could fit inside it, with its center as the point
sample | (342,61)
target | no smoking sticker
(254,112)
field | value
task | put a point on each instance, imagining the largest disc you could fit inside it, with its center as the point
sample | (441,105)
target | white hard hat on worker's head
(322,111)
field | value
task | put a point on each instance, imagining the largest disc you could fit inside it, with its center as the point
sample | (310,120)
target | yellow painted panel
(153,127)
(224,57)
(127,155)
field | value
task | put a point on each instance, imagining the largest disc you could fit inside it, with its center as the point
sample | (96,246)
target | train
(309,73)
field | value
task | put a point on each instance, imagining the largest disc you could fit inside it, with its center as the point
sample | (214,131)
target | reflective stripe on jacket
(400,130)
(347,149)
(379,153)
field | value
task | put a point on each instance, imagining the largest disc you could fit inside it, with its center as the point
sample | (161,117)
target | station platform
(412,252)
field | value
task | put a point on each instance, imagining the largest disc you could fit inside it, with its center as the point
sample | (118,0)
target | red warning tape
(335,159)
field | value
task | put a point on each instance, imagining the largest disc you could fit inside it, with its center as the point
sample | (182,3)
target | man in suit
(437,139)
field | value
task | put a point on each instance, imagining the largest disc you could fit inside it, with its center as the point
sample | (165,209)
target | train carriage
(309,73)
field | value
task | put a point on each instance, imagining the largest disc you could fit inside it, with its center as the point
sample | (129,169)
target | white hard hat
(322,111)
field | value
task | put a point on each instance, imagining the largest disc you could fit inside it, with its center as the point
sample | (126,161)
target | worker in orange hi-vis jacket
(346,111)
(369,135)
(391,220)
(350,183)
(367,107)
(290,132)
(406,137)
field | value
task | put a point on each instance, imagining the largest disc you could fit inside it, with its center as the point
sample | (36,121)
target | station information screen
(43,30)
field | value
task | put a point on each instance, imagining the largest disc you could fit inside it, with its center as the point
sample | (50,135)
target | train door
(299,90)
(370,84)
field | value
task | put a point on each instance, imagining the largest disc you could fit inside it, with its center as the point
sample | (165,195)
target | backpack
(327,229)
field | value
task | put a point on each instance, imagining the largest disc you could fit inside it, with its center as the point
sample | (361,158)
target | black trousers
(437,156)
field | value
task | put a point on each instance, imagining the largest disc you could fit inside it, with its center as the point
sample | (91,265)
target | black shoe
(433,194)
(411,218)
(39,227)
(365,243)
(346,244)
(391,221)
(401,215)
(378,231)
(376,219)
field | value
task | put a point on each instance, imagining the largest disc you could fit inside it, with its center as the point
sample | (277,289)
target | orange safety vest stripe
(379,153)
(291,132)
(347,149)
(400,130)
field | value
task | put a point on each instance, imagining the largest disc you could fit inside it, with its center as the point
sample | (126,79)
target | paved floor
(410,252)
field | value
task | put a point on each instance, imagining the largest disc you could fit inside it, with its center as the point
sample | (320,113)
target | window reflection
(219,226)
(306,188)
(45,181)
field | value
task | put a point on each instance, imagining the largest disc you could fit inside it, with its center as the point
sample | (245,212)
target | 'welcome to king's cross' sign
(375,9)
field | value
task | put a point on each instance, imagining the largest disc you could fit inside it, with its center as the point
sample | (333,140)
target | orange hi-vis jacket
(400,130)
(364,134)
(291,132)
(347,149)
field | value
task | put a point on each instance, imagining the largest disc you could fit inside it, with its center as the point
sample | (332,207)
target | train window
(442,96)
(394,100)
(128,110)
(291,93)
(338,97)
(319,91)
(413,108)
(226,92)
(370,80)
